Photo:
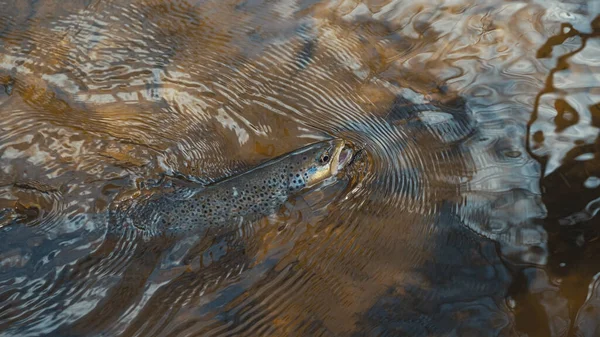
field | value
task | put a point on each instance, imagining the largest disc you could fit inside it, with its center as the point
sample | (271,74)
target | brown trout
(249,196)
(212,211)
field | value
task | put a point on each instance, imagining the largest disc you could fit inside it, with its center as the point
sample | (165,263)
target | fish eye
(324,158)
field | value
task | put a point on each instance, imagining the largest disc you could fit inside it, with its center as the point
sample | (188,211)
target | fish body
(256,193)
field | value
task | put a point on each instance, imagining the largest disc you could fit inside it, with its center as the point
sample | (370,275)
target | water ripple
(468,117)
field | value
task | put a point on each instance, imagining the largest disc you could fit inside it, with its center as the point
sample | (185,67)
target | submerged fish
(256,193)
(195,210)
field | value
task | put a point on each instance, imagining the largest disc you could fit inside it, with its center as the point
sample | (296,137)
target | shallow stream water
(474,212)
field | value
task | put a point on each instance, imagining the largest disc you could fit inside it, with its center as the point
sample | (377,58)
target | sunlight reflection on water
(474,212)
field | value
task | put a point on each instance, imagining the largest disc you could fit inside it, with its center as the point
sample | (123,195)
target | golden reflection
(472,211)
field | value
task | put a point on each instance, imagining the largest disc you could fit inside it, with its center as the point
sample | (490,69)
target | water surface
(473,213)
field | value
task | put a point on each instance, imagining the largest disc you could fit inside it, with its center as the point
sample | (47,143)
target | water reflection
(471,213)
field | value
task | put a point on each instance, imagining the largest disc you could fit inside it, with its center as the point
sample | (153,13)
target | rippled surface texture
(472,213)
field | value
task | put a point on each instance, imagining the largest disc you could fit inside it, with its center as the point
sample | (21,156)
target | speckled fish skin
(256,193)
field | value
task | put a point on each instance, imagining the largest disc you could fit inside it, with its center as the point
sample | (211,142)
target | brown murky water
(473,213)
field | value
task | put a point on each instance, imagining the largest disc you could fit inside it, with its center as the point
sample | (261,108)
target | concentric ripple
(471,120)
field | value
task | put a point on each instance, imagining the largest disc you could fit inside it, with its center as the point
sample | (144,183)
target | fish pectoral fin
(298,204)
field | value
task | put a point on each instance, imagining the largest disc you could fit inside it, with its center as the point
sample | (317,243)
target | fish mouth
(343,156)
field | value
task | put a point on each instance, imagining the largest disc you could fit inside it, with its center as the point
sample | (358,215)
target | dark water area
(472,210)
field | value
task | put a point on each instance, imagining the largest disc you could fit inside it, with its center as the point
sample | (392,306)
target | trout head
(318,162)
